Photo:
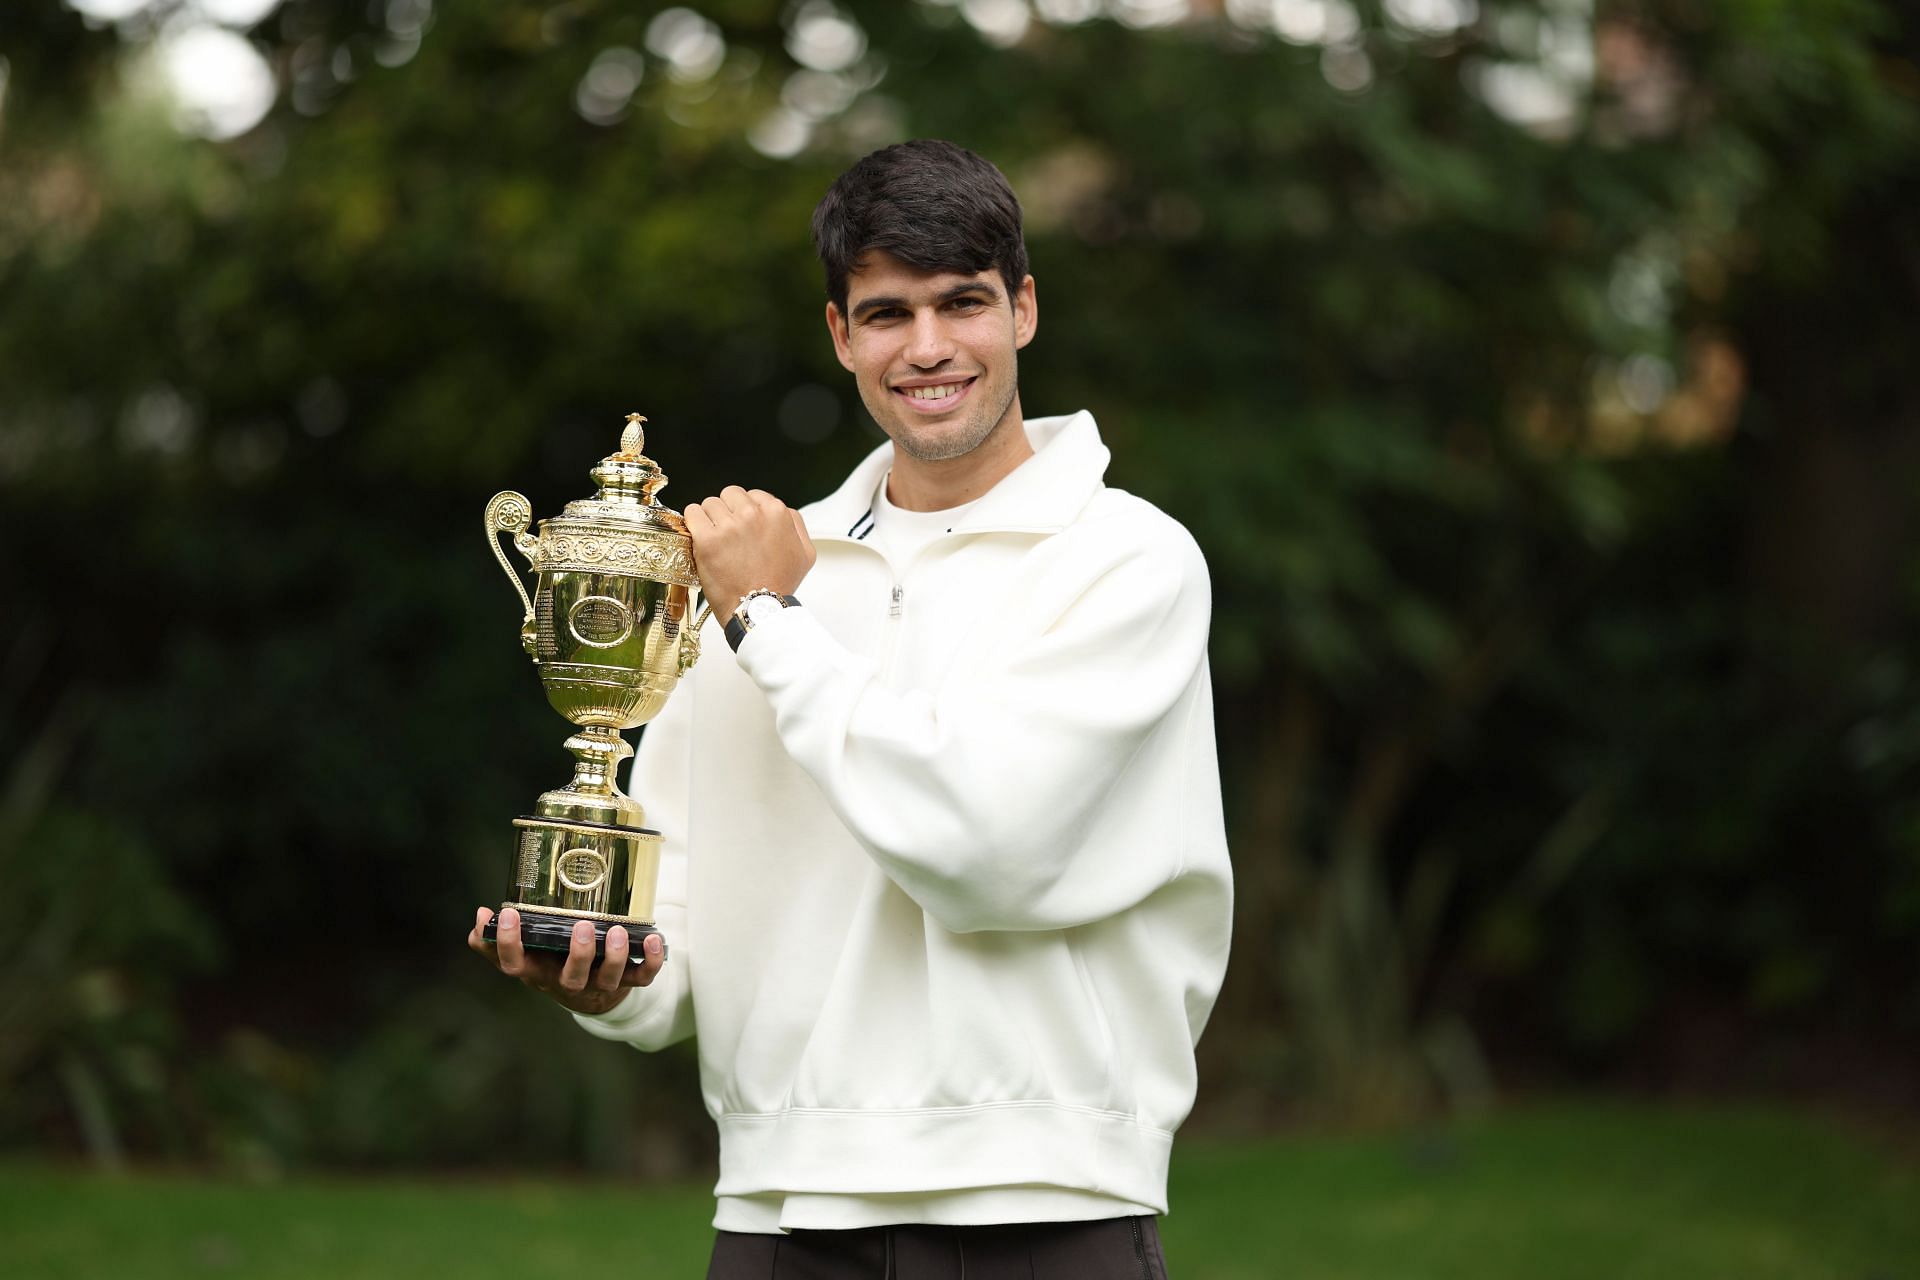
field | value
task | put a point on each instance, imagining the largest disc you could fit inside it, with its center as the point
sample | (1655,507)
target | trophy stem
(597,752)
(593,794)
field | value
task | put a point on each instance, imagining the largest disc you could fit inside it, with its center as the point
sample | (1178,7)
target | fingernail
(509,918)
(653,944)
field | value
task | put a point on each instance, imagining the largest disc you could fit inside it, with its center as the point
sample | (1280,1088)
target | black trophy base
(540,932)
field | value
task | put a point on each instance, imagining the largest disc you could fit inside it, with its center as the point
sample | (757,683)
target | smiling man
(944,859)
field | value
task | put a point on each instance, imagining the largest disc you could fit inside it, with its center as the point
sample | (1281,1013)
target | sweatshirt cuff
(633,1019)
(791,645)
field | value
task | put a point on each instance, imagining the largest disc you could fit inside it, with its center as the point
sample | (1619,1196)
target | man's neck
(914,485)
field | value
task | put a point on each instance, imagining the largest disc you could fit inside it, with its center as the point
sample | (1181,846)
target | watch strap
(739,624)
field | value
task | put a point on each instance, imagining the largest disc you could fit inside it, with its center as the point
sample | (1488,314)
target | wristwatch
(755,608)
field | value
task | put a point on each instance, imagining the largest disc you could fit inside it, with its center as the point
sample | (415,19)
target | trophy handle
(690,638)
(510,512)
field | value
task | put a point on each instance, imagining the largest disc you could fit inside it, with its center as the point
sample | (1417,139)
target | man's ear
(1026,313)
(837,327)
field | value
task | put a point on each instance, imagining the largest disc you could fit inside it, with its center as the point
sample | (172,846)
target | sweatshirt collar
(1042,495)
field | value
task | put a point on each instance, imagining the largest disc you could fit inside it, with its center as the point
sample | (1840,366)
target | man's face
(933,352)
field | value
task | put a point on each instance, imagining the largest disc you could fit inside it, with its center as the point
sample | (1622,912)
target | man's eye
(966,304)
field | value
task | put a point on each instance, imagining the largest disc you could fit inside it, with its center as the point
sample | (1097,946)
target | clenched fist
(744,540)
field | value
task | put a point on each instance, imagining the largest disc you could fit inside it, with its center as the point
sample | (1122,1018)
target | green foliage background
(1570,726)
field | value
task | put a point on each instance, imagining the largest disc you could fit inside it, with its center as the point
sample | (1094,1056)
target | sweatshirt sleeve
(976,797)
(657,1015)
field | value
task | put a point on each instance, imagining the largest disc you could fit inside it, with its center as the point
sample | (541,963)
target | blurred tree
(1460,335)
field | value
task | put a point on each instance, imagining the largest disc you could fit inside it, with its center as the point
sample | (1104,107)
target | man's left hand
(744,540)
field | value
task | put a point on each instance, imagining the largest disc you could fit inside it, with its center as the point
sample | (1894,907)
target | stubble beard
(942,444)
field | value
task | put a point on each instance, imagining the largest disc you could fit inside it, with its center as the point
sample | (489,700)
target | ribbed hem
(980,1207)
(935,1149)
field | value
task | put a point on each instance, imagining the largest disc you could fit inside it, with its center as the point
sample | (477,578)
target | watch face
(760,608)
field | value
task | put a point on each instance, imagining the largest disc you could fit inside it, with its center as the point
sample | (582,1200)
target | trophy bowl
(608,627)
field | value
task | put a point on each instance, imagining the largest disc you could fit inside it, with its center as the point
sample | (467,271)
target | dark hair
(931,204)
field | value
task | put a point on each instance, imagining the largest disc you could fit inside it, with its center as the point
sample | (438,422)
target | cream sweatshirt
(945,879)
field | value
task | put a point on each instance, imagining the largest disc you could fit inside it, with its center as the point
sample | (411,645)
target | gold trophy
(608,627)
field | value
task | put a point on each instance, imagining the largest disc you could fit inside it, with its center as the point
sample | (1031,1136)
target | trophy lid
(628,481)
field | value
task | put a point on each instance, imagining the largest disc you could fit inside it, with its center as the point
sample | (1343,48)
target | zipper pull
(893,609)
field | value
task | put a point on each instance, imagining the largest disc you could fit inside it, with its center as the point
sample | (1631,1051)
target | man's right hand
(574,982)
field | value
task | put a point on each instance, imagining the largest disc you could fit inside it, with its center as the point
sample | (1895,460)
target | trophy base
(542,932)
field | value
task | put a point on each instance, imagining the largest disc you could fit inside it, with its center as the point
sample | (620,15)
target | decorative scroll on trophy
(610,626)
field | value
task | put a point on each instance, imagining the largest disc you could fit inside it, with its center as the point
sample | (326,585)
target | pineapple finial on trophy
(633,440)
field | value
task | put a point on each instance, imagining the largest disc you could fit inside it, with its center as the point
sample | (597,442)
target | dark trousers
(1107,1249)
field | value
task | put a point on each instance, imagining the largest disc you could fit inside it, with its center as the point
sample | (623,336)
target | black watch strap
(736,627)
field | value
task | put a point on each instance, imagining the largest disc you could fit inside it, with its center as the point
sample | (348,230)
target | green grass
(1561,1193)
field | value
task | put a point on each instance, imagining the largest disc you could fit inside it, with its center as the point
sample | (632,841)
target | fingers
(510,955)
(607,976)
(580,957)
(477,938)
(735,503)
(748,502)
(582,973)
(643,974)
(728,507)
(622,969)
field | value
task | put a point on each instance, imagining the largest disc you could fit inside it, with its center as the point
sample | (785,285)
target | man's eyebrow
(971,286)
(866,306)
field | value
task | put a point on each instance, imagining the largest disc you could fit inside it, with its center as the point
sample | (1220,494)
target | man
(944,871)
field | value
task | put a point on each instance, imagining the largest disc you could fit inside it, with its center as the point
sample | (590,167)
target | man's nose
(928,343)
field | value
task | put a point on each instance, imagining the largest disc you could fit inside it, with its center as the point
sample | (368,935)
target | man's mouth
(934,397)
